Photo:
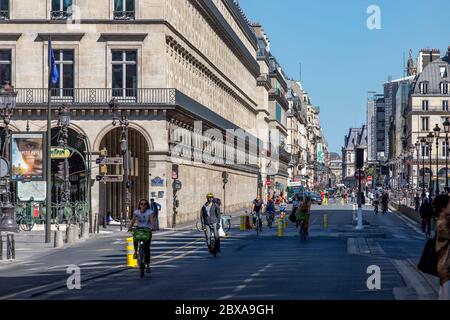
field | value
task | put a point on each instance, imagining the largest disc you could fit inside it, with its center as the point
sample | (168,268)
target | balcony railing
(4,15)
(264,80)
(60,15)
(124,15)
(96,96)
(262,53)
(277,93)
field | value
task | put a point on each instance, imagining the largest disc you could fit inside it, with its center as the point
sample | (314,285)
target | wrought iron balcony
(124,15)
(4,14)
(96,96)
(264,80)
(60,15)
(262,54)
(278,94)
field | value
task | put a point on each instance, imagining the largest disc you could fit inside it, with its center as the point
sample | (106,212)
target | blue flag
(54,76)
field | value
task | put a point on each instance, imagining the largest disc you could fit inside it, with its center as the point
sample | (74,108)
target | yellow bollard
(280,227)
(131,262)
(285,222)
(242,223)
(325,221)
(342,201)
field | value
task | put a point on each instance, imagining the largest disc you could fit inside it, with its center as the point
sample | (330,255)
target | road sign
(60,153)
(109,161)
(110,178)
(177,185)
(369,179)
(268,183)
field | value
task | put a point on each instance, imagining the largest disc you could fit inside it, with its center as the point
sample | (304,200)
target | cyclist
(257,208)
(426,213)
(145,219)
(283,207)
(210,218)
(384,202)
(270,209)
(304,212)
(376,203)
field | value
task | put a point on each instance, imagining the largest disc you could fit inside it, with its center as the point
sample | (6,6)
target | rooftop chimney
(426,56)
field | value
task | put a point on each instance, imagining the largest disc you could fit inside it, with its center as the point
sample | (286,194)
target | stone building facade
(169,64)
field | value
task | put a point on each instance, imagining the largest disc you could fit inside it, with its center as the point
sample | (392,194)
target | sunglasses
(142,204)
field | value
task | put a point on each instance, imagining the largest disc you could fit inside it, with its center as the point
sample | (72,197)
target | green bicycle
(141,235)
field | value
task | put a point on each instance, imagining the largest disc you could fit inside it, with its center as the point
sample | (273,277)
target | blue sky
(341,58)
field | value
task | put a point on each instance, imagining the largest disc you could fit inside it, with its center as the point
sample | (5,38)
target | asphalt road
(332,264)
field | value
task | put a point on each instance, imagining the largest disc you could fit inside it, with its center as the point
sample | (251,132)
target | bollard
(285,222)
(325,221)
(71,235)
(342,202)
(242,228)
(59,243)
(280,227)
(131,262)
(85,231)
(1,246)
(10,247)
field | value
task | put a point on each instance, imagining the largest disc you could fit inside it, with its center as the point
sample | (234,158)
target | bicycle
(226,223)
(24,218)
(141,235)
(302,228)
(270,217)
(257,222)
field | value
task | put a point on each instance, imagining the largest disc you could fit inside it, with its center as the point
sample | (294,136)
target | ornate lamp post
(64,121)
(124,147)
(437,132)
(7,106)
(423,144)
(417,147)
(430,140)
(446,130)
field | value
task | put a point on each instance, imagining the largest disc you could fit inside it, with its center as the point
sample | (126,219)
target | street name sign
(110,161)
(110,178)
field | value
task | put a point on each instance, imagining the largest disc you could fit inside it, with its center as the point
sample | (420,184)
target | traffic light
(103,154)
(359,158)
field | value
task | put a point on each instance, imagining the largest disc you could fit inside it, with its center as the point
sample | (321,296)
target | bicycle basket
(141,234)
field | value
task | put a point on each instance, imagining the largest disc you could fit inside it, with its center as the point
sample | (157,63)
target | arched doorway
(78,167)
(112,195)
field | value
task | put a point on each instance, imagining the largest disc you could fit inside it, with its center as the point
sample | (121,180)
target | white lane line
(240,288)
(248,280)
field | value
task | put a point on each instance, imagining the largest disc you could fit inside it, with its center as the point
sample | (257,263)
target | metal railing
(96,96)
(262,53)
(276,92)
(124,15)
(60,15)
(264,79)
(4,14)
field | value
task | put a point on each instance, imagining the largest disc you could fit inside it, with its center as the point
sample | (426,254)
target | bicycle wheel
(26,224)
(141,260)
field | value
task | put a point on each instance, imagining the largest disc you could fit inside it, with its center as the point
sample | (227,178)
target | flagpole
(48,211)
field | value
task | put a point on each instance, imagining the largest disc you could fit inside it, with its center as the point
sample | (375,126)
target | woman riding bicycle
(145,220)
(304,212)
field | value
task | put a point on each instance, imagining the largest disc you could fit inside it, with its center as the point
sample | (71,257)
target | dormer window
(4,9)
(443,71)
(444,87)
(423,87)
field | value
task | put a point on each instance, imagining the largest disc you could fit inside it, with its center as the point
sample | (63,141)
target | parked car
(315,198)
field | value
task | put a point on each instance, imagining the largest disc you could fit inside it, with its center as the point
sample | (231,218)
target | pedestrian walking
(442,208)
(155,207)
(417,202)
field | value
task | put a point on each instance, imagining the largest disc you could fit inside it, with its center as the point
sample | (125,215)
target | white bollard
(360,220)
(72,234)
(59,242)
(85,231)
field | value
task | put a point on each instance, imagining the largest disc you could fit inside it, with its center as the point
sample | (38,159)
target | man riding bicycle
(210,218)
(257,208)
(303,213)
(270,210)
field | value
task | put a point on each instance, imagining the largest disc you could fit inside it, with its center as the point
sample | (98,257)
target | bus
(293,188)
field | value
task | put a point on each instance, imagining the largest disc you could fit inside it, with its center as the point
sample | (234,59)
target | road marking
(243,286)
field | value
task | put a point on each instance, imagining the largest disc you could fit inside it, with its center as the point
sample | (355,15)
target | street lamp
(7,106)
(446,130)
(124,147)
(64,121)
(423,144)
(430,139)
(437,132)
(417,146)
